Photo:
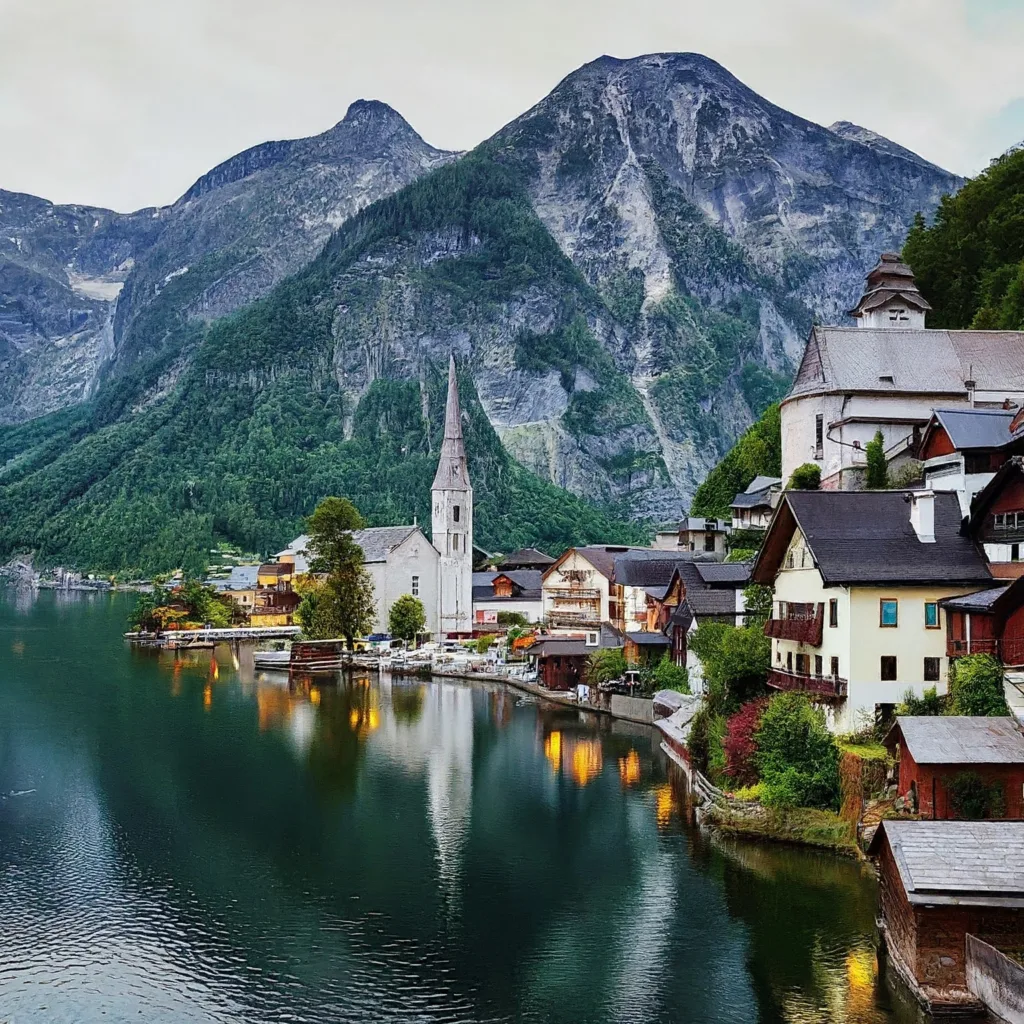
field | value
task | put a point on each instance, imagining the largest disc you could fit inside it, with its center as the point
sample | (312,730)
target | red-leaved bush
(741,744)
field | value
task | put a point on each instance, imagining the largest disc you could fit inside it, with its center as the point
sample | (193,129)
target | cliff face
(82,290)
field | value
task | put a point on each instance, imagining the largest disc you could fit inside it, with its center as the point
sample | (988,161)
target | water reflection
(202,841)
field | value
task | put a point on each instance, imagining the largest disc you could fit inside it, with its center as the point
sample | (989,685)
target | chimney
(922,515)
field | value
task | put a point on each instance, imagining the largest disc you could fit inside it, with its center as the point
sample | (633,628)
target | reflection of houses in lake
(440,742)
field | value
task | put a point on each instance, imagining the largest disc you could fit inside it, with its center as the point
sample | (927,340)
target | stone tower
(452,521)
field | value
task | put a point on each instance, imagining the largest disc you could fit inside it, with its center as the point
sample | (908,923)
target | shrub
(735,661)
(976,686)
(705,743)
(877,476)
(748,792)
(740,743)
(972,798)
(806,477)
(604,664)
(668,675)
(797,758)
(929,703)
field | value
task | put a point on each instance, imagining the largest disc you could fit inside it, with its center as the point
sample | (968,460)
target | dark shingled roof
(866,537)
(704,600)
(527,585)
(752,499)
(981,601)
(655,571)
(649,639)
(961,862)
(728,574)
(958,740)
(526,558)
(976,428)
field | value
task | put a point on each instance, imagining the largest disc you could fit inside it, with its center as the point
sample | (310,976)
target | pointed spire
(452,471)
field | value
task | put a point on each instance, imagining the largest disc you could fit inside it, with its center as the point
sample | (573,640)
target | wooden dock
(188,637)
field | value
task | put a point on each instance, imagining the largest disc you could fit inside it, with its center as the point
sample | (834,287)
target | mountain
(84,293)
(625,273)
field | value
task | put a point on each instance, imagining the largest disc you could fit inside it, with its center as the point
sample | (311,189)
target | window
(833,612)
(888,668)
(819,435)
(931,670)
(455,542)
(455,512)
(977,462)
(1014,552)
(801,664)
(898,316)
(789,661)
(888,612)
(709,542)
(817,664)
(834,667)
(931,615)
(415,588)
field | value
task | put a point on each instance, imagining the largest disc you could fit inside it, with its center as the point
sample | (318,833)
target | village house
(561,661)
(888,374)
(935,751)
(990,621)
(940,882)
(961,449)
(512,591)
(997,519)
(858,580)
(275,600)
(239,587)
(695,535)
(752,509)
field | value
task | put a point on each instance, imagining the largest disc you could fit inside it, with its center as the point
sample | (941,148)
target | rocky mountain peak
(866,137)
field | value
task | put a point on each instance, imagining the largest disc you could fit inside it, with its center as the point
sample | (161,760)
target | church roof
(452,471)
(930,362)
(890,279)
(376,541)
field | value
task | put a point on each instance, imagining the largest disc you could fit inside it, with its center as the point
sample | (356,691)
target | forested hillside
(970,263)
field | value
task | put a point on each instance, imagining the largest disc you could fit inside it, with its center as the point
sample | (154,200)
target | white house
(858,578)
(888,374)
(513,591)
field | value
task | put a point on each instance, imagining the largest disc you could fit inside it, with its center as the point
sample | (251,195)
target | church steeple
(452,520)
(452,470)
(891,298)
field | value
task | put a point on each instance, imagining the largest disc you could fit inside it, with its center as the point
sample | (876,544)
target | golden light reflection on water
(207,697)
(664,804)
(586,760)
(629,769)
(553,750)
(845,990)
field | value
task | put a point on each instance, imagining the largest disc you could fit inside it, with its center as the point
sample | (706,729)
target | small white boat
(271,659)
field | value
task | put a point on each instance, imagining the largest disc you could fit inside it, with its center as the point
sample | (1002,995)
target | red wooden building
(940,881)
(934,750)
(997,519)
(987,622)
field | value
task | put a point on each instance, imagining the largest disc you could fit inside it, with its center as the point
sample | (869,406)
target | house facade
(752,509)
(888,374)
(997,519)
(858,580)
(515,591)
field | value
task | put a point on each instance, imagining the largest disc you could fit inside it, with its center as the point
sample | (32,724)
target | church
(889,373)
(400,559)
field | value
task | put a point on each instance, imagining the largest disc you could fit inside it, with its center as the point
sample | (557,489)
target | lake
(182,839)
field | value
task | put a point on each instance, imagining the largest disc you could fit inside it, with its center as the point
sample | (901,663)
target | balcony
(828,688)
(559,617)
(805,626)
(581,595)
(1008,650)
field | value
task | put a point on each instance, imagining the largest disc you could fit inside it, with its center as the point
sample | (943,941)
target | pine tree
(877,472)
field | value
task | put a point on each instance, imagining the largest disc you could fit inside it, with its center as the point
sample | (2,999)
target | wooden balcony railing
(1009,650)
(803,628)
(822,687)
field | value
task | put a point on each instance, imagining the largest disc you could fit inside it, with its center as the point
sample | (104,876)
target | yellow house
(275,600)
(858,576)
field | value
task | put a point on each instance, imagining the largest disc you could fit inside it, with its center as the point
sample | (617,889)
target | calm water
(181,840)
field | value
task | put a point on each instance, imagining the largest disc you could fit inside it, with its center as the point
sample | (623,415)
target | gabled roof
(376,541)
(983,500)
(526,558)
(603,557)
(763,483)
(704,600)
(725,574)
(643,639)
(930,362)
(759,499)
(957,862)
(941,739)
(972,428)
(890,277)
(866,537)
(655,571)
(526,585)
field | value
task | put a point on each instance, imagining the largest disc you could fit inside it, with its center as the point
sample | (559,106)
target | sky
(124,103)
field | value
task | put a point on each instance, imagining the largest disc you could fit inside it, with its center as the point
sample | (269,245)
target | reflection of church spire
(452,470)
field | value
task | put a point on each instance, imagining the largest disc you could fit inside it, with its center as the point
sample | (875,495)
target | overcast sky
(123,103)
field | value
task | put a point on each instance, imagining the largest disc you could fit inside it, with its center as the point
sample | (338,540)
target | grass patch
(869,751)
(802,825)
